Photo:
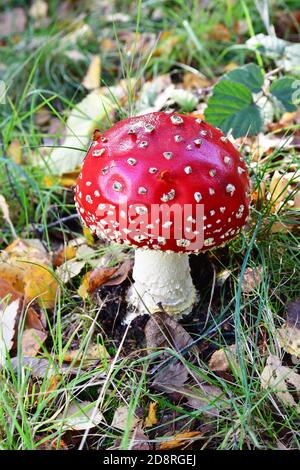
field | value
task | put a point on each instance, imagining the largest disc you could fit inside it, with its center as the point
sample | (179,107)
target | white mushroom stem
(164,278)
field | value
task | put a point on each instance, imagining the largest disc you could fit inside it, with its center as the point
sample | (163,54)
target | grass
(39,74)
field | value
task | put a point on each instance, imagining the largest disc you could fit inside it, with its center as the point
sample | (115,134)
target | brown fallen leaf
(252,279)
(151,418)
(219,32)
(163,332)
(104,276)
(278,378)
(123,419)
(139,440)
(180,440)
(31,341)
(223,359)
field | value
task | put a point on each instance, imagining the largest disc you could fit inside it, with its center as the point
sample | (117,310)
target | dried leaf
(219,32)
(162,331)
(92,79)
(31,341)
(139,440)
(123,419)
(252,279)
(208,399)
(83,119)
(79,416)
(94,352)
(277,377)
(279,189)
(180,440)
(14,152)
(40,285)
(69,269)
(289,334)
(151,418)
(223,359)
(8,321)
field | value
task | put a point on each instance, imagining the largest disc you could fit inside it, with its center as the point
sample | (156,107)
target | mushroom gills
(161,278)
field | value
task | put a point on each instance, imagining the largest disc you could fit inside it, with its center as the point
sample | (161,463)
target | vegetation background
(72,375)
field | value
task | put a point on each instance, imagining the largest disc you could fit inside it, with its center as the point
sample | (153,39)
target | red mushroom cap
(165,159)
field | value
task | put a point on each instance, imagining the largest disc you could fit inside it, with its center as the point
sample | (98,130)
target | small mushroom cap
(173,160)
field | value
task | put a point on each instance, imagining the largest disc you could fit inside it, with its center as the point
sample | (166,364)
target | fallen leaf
(79,416)
(93,76)
(219,32)
(31,341)
(40,285)
(69,269)
(123,419)
(223,360)
(279,189)
(14,152)
(26,265)
(151,418)
(139,440)
(8,321)
(103,276)
(163,332)
(87,115)
(289,334)
(277,378)
(251,280)
(208,399)
(180,440)
(94,352)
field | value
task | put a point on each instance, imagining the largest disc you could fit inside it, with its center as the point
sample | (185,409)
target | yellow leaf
(151,419)
(94,352)
(92,79)
(14,152)
(40,284)
(180,440)
(88,236)
(83,290)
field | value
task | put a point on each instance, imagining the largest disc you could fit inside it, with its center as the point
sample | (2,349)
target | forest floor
(73,374)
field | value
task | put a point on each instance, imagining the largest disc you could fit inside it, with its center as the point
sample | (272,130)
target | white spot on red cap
(98,153)
(230,188)
(197,196)
(176,119)
(188,170)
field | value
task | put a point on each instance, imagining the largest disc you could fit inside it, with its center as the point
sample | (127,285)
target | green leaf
(231,107)
(285,91)
(249,75)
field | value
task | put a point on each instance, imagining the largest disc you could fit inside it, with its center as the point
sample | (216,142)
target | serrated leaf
(231,107)
(249,75)
(283,89)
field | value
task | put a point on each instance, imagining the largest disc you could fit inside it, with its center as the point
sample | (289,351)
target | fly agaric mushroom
(167,185)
